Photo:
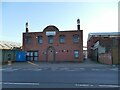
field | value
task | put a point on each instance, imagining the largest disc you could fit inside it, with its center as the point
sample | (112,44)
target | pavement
(68,66)
(86,64)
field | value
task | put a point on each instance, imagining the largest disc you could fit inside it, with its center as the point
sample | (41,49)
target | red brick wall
(105,58)
(59,55)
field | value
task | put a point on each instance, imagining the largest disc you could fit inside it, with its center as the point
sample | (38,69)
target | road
(67,75)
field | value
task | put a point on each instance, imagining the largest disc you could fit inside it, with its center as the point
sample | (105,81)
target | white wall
(101,49)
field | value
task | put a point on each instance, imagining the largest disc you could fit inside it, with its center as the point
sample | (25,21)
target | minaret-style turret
(27,27)
(78,24)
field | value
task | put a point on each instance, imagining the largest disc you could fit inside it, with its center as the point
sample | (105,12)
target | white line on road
(64,68)
(37,69)
(91,85)
(82,85)
(95,69)
(55,69)
(71,70)
(108,86)
(2,69)
(9,70)
(82,68)
(114,69)
(33,64)
(12,83)
(79,68)
(27,69)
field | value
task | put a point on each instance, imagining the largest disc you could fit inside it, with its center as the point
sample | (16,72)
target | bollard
(9,62)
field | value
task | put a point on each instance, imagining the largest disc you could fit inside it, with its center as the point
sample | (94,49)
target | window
(28,39)
(76,53)
(50,39)
(39,39)
(35,55)
(32,55)
(62,38)
(76,38)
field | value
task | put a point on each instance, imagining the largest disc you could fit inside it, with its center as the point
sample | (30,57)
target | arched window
(39,39)
(62,39)
(76,38)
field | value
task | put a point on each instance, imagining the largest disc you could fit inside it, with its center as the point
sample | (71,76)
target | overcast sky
(94,17)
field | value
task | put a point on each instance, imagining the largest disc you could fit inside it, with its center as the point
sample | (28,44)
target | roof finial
(78,21)
(78,24)
(26,26)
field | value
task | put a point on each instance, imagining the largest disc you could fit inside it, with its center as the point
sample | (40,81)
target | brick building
(104,47)
(53,44)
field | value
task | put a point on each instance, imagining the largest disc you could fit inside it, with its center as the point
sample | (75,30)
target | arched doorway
(50,54)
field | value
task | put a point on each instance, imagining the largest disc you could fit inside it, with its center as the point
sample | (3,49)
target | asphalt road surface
(62,75)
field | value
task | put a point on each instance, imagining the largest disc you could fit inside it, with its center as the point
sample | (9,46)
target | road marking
(15,83)
(78,68)
(91,85)
(37,69)
(33,63)
(10,69)
(64,68)
(2,69)
(108,86)
(71,70)
(82,85)
(27,69)
(82,68)
(114,69)
(55,69)
(95,69)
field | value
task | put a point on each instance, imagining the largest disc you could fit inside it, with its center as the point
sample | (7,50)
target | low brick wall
(105,58)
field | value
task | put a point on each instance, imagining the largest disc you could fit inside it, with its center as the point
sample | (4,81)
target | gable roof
(103,34)
(9,45)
